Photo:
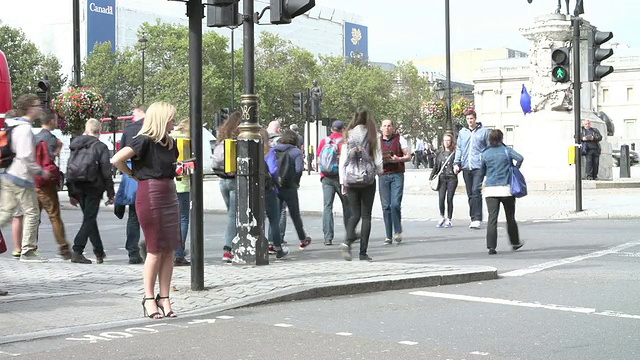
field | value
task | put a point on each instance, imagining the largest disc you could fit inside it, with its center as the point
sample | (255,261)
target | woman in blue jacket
(496,163)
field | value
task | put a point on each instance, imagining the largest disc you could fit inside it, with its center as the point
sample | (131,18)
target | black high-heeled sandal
(170,314)
(155,315)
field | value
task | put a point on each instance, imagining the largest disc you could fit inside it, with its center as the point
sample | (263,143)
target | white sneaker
(441,223)
(475,224)
(448,224)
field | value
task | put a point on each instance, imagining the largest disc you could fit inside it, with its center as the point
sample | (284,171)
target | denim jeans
(330,187)
(90,205)
(361,201)
(391,189)
(592,163)
(184,204)
(493,206)
(133,234)
(473,183)
(272,207)
(289,196)
(283,221)
(228,190)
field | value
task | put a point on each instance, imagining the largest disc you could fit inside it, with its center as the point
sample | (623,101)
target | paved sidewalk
(59,297)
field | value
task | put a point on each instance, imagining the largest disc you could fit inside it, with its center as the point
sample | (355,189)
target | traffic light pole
(76,43)
(195,14)
(250,245)
(577,107)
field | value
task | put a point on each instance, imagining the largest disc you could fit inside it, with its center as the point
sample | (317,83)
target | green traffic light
(560,74)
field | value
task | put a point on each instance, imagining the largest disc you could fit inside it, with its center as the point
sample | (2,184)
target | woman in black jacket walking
(448,179)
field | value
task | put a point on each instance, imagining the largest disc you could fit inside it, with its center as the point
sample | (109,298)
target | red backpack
(46,163)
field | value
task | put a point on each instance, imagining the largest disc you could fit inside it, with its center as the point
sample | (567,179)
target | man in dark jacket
(133,225)
(89,193)
(591,138)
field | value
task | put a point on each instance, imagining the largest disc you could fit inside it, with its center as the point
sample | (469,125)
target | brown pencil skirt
(158,213)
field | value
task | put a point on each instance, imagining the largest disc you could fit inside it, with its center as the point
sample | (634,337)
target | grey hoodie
(24,168)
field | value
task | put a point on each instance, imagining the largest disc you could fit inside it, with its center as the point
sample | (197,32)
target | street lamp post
(440,90)
(449,125)
(143,46)
(233,70)
(250,247)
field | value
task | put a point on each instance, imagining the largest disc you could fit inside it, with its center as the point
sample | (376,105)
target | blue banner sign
(356,41)
(101,23)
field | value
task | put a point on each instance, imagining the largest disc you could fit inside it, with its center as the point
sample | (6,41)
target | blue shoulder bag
(516,179)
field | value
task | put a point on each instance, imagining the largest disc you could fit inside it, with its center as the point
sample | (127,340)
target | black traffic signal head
(560,65)
(597,55)
(282,11)
(44,85)
(223,15)
(298,102)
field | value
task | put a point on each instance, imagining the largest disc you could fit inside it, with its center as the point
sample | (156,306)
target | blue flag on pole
(525,100)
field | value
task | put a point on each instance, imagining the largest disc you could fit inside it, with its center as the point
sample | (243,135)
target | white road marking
(571,260)
(203,321)
(224,317)
(479,353)
(550,220)
(283,325)
(344,334)
(580,310)
(408,343)
(10,354)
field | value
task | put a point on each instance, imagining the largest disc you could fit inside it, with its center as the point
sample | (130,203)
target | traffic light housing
(298,102)
(44,92)
(282,11)
(597,55)
(223,13)
(560,65)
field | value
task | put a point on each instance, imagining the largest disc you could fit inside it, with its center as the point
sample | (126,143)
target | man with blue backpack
(328,159)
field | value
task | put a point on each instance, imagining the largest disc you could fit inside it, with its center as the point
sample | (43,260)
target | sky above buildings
(412,29)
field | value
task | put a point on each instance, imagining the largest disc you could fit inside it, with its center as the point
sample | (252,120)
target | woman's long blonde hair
(155,124)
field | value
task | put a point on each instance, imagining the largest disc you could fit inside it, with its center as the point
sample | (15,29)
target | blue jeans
(272,207)
(228,190)
(391,189)
(331,187)
(184,204)
(473,183)
(133,234)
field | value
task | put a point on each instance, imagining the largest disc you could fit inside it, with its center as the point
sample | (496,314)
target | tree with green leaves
(281,70)
(27,65)
(348,86)
(119,75)
(409,93)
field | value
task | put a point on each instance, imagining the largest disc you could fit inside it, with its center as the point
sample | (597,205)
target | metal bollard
(633,146)
(625,163)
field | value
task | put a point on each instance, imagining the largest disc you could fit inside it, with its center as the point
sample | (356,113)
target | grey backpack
(360,170)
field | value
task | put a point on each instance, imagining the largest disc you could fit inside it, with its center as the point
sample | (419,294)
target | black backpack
(286,169)
(83,165)
(6,153)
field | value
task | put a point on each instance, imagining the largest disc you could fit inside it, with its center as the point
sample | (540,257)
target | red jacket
(334,136)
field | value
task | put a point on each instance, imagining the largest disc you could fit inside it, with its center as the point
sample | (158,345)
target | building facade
(498,86)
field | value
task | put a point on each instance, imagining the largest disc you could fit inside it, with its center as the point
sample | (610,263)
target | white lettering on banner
(102,10)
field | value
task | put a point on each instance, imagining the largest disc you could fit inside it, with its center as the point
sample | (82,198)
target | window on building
(629,94)
(508,103)
(605,95)
(630,128)
(508,135)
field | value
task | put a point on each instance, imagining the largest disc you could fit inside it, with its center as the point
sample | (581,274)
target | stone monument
(545,135)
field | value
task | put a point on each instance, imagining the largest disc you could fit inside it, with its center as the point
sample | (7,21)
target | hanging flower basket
(434,110)
(75,106)
(460,105)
